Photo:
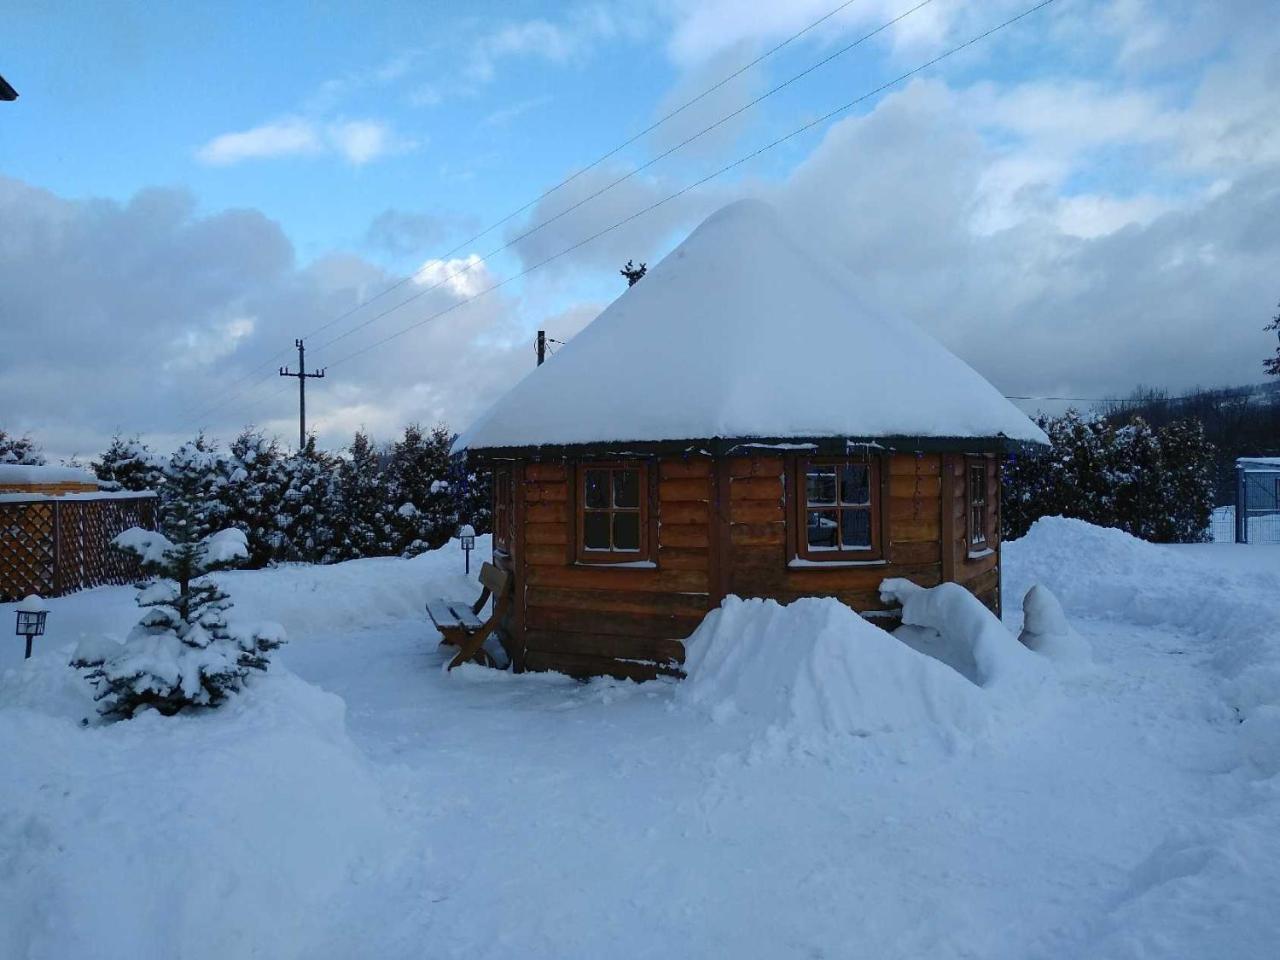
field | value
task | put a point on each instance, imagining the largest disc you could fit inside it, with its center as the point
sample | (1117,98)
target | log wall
(762,560)
(721,528)
(978,571)
(595,619)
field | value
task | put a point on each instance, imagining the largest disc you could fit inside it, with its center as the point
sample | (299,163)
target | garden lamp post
(467,537)
(31,616)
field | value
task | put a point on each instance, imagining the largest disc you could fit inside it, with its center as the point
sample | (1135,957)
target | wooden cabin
(735,423)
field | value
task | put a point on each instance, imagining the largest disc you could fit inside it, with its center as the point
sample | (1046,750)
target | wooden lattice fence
(57,545)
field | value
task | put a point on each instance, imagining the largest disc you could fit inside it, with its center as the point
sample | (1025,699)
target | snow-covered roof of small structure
(1261,463)
(23,474)
(742,332)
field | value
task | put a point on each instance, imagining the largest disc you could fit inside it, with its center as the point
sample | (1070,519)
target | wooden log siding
(979,574)
(623,621)
(763,546)
(721,527)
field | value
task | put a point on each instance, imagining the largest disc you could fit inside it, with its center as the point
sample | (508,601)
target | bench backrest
(494,579)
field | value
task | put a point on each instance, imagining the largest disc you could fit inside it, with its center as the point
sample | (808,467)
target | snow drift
(963,633)
(812,673)
(219,834)
(1097,571)
(1046,631)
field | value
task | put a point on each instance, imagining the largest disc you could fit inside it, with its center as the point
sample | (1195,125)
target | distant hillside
(1239,422)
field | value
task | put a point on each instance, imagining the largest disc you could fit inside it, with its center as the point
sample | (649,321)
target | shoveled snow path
(558,819)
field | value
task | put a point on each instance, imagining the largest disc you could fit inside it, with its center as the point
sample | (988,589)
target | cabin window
(838,509)
(503,512)
(613,513)
(977,499)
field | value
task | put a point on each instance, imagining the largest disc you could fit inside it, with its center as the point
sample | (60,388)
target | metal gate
(1258,501)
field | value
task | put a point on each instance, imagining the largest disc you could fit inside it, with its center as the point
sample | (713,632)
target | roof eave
(745,446)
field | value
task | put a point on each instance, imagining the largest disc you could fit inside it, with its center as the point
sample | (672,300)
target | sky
(1080,203)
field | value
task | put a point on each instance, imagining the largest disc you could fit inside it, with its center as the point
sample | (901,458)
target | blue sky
(207,180)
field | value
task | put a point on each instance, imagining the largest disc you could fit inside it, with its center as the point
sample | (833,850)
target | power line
(599,160)
(475,262)
(844,108)
(471,264)
(804,128)
(1071,399)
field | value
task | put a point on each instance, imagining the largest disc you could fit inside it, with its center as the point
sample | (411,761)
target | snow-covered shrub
(308,507)
(1154,484)
(129,464)
(253,491)
(426,511)
(181,653)
(20,450)
(363,525)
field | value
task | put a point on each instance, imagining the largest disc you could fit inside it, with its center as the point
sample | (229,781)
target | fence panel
(52,546)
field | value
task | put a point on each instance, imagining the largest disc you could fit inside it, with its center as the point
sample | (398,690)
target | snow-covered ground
(359,802)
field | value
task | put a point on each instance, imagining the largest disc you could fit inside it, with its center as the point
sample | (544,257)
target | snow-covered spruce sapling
(181,653)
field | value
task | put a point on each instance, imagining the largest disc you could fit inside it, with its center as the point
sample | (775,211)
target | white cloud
(356,141)
(361,141)
(290,136)
(461,276)
(138,316)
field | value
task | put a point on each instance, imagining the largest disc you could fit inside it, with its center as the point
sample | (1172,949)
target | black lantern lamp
(31,616)
(467,538)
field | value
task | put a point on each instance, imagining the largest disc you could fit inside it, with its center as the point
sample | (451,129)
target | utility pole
(302,376)
(542,346)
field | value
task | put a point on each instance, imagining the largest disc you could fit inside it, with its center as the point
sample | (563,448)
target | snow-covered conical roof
(741,332)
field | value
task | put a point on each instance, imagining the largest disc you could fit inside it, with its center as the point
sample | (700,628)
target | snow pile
(1214,878)
(810,674)
(1046,631)
(1096,571)
(20,474)
(962,633)
(222,834)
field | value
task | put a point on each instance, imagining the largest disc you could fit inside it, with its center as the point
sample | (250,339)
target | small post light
(31,616)
(467,537)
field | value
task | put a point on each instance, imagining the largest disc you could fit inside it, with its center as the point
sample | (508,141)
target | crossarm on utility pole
(303,377)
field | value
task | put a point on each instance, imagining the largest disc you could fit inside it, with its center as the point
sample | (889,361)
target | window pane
(978,524)
(597,484)
(626,488)
(820,484)
(821,529)
(626,531)
(595,531)
(855,529)
(855,484)
(978,484)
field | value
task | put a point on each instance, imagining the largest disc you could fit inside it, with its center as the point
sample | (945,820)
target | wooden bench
(459,622)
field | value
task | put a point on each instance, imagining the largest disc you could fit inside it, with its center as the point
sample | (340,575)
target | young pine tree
(364,525)
(253,492)
(181,653)
(129,465)
(191,498)
(306,512)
